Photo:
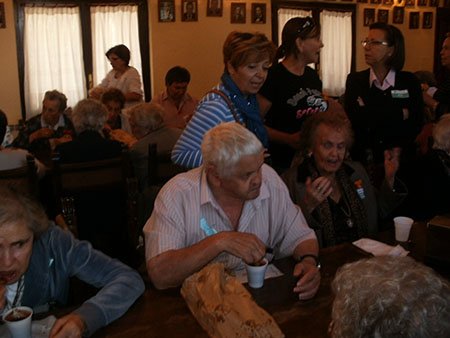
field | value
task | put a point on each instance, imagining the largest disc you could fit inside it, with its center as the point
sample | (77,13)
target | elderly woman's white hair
(89,114)
(390,297)
(224,145)
(441,134)
(147,116)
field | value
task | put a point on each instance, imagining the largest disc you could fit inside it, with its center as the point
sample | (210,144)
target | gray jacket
(57,256)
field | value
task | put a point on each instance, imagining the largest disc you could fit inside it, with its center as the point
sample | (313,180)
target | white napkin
(39,328)
(379,249)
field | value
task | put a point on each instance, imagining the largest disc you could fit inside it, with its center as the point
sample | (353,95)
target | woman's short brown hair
(243,48)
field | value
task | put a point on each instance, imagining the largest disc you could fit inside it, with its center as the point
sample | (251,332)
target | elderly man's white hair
(224,145)
(441,134)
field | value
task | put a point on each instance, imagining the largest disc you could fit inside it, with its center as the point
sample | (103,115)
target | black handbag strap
(229,103)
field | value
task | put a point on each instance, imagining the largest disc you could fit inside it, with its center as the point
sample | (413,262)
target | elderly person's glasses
(370,43)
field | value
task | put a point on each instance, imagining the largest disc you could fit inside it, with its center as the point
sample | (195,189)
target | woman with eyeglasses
(292,91)
(383,102)
(247,58)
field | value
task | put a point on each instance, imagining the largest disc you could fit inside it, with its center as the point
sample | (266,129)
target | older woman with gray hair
(147,124)
(335,194)
(389,297)
(88,117)
(435,172)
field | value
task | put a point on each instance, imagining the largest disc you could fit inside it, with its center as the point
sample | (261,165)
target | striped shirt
(186,212)
(211,111)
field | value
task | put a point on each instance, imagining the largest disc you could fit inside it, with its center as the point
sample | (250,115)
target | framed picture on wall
(237,12)
(2,15)
(166,10)
(362,1)
(369,16)
(258,13)
(398,15)
(413,20)
(375,2)
(215,8)
(383,15)
(410,3)
(189,10)
(427,22)
(388,2)
(434,3)
(421,3)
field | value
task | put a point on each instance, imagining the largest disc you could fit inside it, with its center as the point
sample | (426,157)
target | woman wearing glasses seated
(383,102)
(292,91)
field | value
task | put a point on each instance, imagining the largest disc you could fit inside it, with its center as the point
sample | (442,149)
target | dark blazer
(378,118)
(88,146)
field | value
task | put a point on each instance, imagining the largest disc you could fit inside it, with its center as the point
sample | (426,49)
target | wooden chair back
(77,184)
(160,166)
(23,179)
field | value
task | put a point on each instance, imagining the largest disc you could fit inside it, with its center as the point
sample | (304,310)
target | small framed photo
(215,8)
(388,2)
(362,1)
(410,3)
(369,16)
(434,3)
(413,20)
(427,22)
(421,3)
(166,10)
(375,2)
(189,10)
(237,12)
(383,15)
(398,15)
(2,15)
(258,13)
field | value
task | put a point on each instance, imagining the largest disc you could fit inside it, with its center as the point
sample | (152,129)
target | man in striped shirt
(231,209)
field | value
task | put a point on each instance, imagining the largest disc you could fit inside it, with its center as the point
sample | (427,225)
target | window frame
(85,20)
(316,8)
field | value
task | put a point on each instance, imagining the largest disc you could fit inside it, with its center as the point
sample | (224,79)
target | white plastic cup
(256,274)
(402,228)
(19,328)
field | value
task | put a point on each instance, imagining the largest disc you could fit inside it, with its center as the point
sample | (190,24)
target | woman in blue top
(247,58)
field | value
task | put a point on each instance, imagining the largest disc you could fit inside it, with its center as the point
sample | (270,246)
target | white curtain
(284,14)
(52,55)
(336,55)
(111,26)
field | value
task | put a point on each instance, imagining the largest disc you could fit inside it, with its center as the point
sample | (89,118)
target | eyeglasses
(371,43)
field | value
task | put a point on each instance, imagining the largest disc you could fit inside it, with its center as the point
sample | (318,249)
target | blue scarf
(248,107)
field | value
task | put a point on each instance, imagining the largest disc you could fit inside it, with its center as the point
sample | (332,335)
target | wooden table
(165,314)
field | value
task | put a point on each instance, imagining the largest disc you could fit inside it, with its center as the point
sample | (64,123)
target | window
(337,24)
(61,45)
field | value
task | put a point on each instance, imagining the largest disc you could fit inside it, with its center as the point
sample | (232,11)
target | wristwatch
(316,259)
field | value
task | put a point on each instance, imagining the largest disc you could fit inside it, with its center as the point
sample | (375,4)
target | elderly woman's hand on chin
(317,191)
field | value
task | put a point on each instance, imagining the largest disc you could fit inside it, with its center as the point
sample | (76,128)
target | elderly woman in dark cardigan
(335,194)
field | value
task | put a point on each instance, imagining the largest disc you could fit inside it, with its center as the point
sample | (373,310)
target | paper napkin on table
(379,249)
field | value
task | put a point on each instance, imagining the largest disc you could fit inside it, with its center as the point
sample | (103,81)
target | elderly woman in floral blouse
(335,194)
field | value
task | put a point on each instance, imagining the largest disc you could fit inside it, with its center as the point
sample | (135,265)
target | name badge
(400,94)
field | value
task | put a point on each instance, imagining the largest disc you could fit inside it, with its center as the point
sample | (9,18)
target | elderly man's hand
(391,164)
(41,133)
(70,326)
(309,279)
(244,245)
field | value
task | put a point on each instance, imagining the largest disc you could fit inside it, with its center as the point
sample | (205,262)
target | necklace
(19,291)
(346,210)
